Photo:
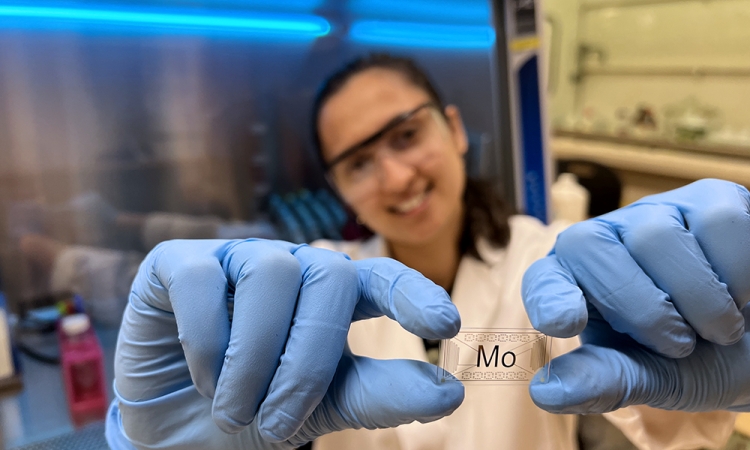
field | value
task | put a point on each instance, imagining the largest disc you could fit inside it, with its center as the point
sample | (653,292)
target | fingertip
(732,335)
(447,391)
(274,433)
(453,393)
(547,392)
(675,344)
(579,382)
(274,423)
(720,320)
(552,396)
(442,321)
(554,302)
(562,316)
(421,307)
(227,423)
(735,337)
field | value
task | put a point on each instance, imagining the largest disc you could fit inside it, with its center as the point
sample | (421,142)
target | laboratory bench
(37,416)
(649,169)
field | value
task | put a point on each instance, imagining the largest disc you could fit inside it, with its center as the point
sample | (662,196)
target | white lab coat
(488,295)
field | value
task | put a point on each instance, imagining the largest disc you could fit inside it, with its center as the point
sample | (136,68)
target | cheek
(366,209)
(448,174)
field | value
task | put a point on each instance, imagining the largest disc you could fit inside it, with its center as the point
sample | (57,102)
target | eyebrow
(377,135)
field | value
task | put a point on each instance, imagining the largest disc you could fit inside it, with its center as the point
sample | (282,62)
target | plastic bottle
(81,361)
(570,200)
(7,368)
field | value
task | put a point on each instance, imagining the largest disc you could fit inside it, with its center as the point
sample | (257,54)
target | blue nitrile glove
(672,272)
(277,374)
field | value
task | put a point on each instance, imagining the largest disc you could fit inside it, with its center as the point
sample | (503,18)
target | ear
(456,126)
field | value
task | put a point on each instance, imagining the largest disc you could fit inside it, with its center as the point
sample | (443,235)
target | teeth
(412,203)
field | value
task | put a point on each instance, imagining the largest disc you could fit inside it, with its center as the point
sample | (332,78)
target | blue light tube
(299,24)
(422,34)
(447,11)
(277,5)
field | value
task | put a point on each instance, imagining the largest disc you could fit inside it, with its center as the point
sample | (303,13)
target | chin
(412,241)
(416,231)
(414,236)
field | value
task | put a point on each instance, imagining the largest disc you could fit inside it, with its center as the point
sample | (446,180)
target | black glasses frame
(393,123)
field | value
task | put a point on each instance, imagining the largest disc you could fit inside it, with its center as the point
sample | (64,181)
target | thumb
(553,301)
(370,393)
(594,380)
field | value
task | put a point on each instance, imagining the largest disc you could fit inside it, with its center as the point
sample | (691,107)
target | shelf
(698,71)
(654,160)
(707,148)
(635,3)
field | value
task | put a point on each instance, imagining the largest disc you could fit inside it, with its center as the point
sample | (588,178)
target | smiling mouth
(411,204)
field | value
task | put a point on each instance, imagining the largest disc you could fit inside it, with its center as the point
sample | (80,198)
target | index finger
(620,290)
(389,288)
(553,301)
(657,239)
(717,214)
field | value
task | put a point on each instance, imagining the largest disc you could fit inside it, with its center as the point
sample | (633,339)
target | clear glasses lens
(407,142)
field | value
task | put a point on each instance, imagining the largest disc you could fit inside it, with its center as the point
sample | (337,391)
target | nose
(394,176)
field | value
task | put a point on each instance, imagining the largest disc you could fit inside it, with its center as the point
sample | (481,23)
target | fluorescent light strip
(276,23)
(447,11)
(276,5)
(422,34)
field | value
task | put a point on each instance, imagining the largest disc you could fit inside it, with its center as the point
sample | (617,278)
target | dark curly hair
(486,212)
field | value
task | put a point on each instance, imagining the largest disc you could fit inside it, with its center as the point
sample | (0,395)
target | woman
(395,155)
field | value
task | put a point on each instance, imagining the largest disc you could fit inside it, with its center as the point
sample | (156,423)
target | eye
(404,138)
(358,163)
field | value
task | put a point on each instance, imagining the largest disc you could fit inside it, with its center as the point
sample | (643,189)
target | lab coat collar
(489,253)
(374,247)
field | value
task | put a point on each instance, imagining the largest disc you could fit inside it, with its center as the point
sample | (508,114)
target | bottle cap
(75,324)
(567,178)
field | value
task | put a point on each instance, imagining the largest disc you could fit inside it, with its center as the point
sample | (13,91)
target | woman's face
(407,184)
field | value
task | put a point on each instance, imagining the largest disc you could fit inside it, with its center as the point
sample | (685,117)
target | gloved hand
(276,374)
(657,291)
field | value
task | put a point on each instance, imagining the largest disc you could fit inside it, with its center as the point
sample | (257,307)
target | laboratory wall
(659,57)
(654,90)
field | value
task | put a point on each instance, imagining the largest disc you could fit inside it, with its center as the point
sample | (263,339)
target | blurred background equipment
(10,380)
(602,184)
(127,123)
(82,368)
(123,124)
(570,200)
(654,90)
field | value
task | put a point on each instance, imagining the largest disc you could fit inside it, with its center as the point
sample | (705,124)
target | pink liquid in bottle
(81,360)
